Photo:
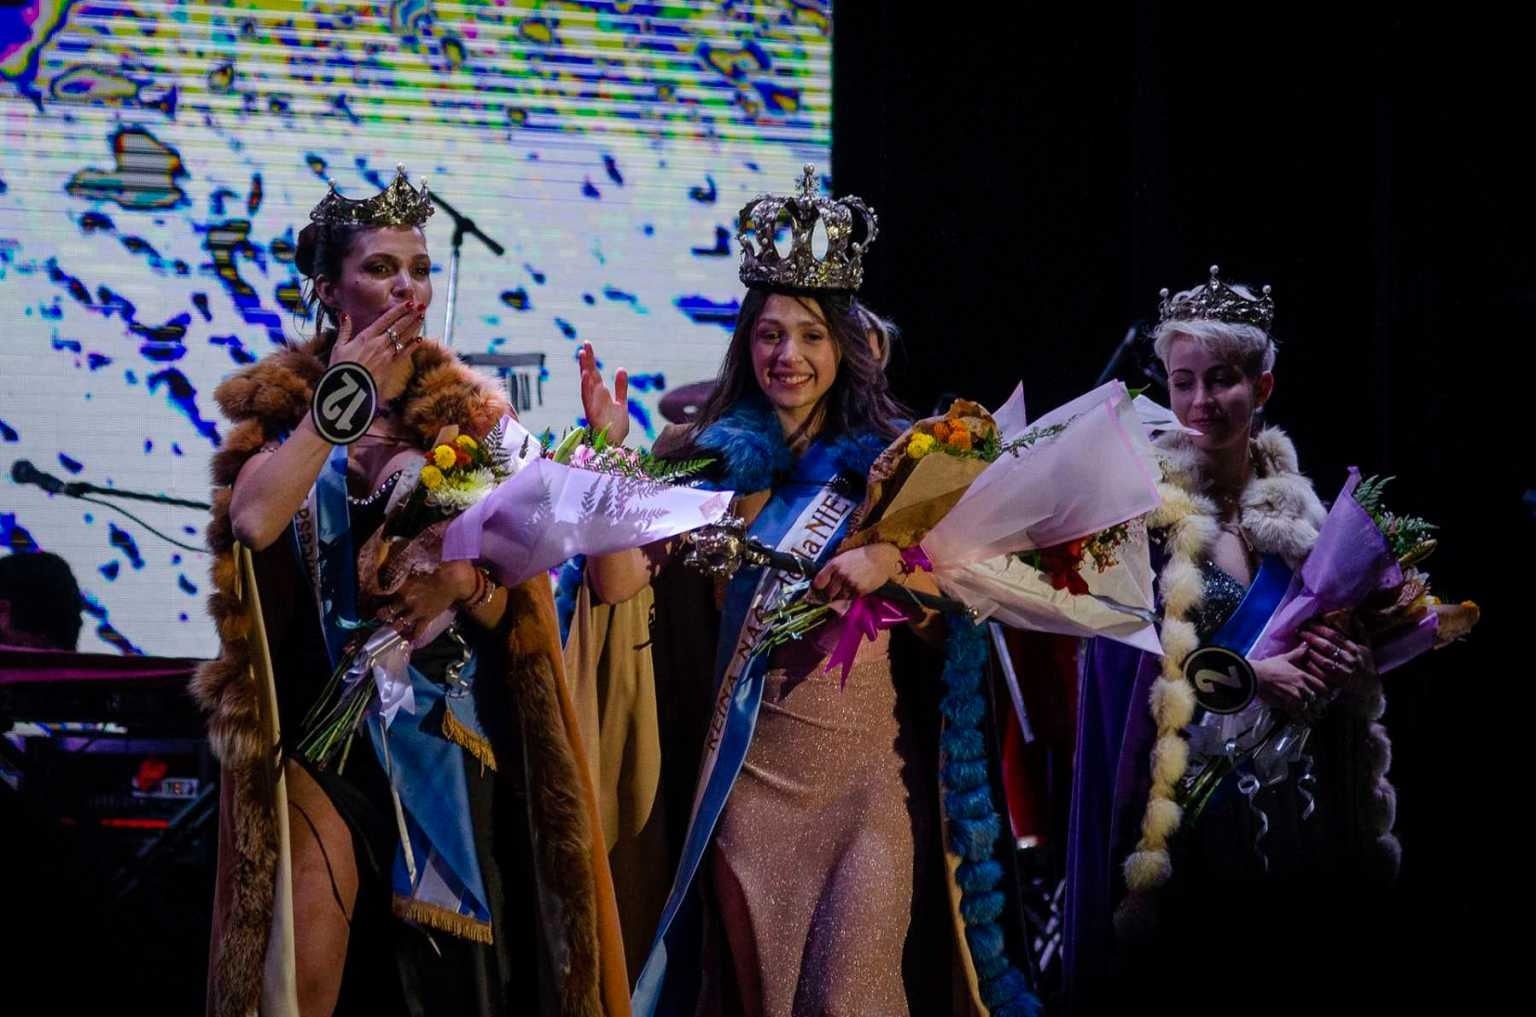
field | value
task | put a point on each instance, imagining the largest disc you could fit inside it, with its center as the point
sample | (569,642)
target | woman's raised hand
(605,410)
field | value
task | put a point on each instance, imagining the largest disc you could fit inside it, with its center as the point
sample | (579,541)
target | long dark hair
(860,397)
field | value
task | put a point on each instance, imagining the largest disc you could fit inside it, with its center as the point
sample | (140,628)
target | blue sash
(805,515)
(438,882)
(436,874)
(322,538)
(1243,628)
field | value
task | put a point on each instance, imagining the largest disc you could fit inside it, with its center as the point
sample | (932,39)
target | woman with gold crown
(1161,881)
(809,875)
(450,861)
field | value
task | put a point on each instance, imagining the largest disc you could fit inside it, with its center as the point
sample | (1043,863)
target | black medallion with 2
(344,403)
(1223,679)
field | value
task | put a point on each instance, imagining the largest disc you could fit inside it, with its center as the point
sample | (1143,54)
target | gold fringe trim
(476,745)
(443,920)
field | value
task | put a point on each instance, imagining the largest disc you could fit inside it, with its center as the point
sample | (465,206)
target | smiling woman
(800,773)
(793,358)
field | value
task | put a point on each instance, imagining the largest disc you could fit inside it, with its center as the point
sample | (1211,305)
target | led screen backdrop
(158,160)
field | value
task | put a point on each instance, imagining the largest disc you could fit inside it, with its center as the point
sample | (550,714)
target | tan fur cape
(580,921)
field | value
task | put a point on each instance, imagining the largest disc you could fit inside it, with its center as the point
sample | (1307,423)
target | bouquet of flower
(451,476)
(1004,516)
(1365,562)
(1404,619)
(585,449)
(514,502)
(1361,574)
(582,495)
(923,474)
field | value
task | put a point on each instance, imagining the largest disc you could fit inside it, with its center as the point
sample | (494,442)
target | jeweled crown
(1216,301)
(399,204)
(840,267)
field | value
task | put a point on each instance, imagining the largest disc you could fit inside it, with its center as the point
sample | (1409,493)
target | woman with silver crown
(1154,887)
(450,858)
(809,877)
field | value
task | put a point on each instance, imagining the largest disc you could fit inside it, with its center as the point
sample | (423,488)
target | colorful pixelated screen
(158,159)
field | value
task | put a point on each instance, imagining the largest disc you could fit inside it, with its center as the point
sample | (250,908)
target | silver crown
(840,268)
(1216,301)
(399,204)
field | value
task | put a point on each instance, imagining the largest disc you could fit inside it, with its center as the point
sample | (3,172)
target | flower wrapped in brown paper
(385,562)
(920,477)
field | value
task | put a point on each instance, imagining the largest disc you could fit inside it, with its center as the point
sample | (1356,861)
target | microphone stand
(462,225)
(1114,358)
(23,472)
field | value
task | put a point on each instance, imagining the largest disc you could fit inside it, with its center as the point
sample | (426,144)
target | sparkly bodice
(1222,595)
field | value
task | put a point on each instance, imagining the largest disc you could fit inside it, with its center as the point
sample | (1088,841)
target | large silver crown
(1216,301)
(399,204)
(795,218)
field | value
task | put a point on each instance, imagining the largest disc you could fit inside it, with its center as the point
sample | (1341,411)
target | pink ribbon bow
(868,616)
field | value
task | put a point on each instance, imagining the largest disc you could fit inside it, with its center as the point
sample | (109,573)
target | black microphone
(23,472)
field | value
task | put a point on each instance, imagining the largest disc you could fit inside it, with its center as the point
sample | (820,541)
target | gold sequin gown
(815,853)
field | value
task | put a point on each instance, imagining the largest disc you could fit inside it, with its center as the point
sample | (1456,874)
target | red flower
(462,457)
(1060,565)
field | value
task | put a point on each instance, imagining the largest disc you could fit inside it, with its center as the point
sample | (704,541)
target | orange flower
(960,438)
(941,431)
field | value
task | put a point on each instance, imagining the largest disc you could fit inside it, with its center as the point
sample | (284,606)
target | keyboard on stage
(148,696)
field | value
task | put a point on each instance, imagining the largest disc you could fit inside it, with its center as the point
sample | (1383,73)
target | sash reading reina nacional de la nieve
(808,515)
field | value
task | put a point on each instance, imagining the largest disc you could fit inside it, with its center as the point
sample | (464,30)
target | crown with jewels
(840,268)
(399,204)
(1216,301)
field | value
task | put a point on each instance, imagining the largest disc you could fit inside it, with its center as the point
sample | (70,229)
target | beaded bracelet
(484,591)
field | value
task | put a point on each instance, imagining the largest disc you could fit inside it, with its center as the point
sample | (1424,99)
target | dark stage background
(1042,171)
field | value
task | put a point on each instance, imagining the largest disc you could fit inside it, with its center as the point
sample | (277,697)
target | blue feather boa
(750,442)
(974,825)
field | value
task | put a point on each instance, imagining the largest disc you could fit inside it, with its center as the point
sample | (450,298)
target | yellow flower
(920,445)
(466,443)
(431,477)
(444,457)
